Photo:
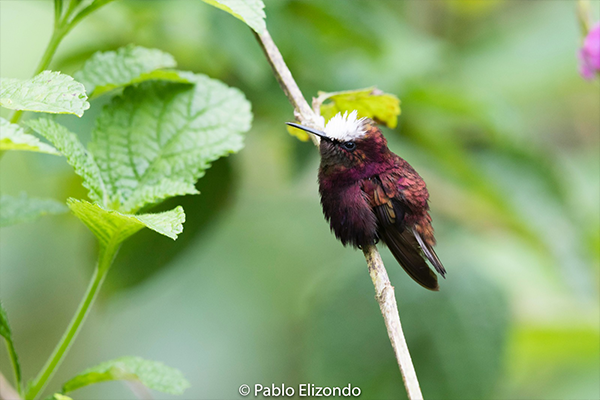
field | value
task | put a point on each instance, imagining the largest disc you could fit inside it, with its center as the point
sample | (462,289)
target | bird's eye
(349,145)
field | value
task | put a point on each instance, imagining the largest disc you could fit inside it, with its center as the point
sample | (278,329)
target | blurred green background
(494,117)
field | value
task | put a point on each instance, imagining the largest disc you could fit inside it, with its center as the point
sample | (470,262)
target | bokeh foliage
(494,116)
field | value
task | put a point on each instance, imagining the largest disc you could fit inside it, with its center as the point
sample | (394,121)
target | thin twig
(384,291)
(108,252)
(302,111)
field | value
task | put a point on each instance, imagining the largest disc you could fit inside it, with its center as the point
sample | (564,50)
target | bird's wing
(409,189)
(401,241)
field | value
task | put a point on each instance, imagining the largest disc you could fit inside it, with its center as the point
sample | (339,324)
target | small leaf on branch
(157,138)
(151,374)
(6,332)
(81,160)
(114,226)
(14,210)
(372,103)
(49,92)
(250,11)
(13,137)
(106,71)
(58,396)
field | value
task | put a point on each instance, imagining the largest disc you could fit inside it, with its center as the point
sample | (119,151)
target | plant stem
(384,293)
(383,288)
(107,255)
(88,10)
(302,111)
(12,354)
(58,35)
(55,40)
(61,28)
(57,12)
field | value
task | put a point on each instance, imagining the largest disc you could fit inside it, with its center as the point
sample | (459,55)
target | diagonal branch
(384,291)
(387,303)
(302,111)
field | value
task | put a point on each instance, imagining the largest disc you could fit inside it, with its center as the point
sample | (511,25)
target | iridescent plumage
(369,194)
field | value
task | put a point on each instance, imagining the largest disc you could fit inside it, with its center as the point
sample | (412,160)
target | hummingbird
(370,194)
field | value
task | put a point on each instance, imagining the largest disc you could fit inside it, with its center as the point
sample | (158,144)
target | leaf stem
(72,6)
(15,365)
(88,10)
(61,28)
(383,288)
(57,12)
(107,255)
(57,36)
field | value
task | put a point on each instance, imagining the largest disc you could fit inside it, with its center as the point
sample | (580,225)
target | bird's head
(349,142)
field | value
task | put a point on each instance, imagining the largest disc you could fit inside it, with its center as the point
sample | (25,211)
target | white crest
(345,127)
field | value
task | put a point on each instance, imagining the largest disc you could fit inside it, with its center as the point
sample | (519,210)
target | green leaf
(156,139)
(106,71)
(152,374)
(58,396)
(49,92)
(6,332)
(114,226)
(22,208)
(371,103)
(135,264)
(250,11)
(81,160)
(13,137)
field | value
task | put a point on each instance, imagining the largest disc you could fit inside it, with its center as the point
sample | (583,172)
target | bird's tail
(406,249)
(430,254)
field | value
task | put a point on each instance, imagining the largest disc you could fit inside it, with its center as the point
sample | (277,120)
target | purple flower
(589,54)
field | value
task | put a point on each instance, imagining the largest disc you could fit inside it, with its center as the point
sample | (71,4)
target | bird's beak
(309,130)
